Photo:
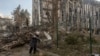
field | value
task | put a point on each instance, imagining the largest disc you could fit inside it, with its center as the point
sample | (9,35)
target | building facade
(71,13)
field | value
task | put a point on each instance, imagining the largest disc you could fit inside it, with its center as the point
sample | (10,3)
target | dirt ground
(24,51)
(20,51)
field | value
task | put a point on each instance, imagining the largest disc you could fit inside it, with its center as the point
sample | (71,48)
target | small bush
(72,40)
(92,40)
(77,38)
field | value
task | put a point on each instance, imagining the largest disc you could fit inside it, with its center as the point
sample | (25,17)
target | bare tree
(27,17)
(21,17)
(16,14)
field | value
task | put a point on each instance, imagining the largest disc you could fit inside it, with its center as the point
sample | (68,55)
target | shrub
(72,40)
(77,38)
(92,40)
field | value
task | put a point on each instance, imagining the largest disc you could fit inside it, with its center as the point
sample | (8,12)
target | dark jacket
(34,41)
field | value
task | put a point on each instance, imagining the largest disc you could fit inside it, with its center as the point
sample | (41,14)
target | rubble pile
(16,39)
(22,37)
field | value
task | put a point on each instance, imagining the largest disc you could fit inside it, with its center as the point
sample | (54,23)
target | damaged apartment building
(5,26)
(69,14)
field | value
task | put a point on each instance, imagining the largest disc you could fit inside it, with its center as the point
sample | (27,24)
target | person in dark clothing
(33,44)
